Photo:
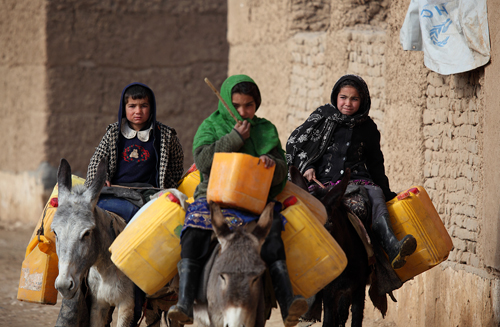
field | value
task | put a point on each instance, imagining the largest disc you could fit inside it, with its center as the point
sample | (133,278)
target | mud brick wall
(64,64)
(437,131)
(453,163)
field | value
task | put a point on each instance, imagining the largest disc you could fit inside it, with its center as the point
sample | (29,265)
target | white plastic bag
(453,34)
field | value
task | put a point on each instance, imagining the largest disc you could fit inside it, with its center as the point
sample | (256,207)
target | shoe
(292,307)
(396,250)
(189,276)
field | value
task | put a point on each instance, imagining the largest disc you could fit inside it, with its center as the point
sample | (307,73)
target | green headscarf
(263,134)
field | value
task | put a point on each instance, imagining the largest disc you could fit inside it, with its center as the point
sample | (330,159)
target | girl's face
(348,100)
(244,104)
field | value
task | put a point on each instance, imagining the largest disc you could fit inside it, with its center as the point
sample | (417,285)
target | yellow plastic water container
(39,269)
(314,205)
(412,212)
(313,257)
(148,249)
(38,275)
(188,184)
(239,180)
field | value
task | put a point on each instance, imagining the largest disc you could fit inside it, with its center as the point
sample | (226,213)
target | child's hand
(310,174)
(107,183)
(243,129)
(268,162)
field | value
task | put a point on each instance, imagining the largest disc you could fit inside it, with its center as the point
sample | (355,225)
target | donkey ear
(297,177)
(264,224)
(334,196)
(63,179)
(221,229)
(95,187)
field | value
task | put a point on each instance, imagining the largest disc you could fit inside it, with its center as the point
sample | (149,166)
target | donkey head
(235,285)
(74,225)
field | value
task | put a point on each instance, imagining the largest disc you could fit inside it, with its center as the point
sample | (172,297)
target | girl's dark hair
(137,92)
(250,89)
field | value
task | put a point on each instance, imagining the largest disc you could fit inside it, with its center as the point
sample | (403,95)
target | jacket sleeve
(175,162)
(375,161)
(103,150)
(281,170)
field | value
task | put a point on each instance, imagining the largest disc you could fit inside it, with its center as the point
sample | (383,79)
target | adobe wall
(437,131)
(67,64)
(23,80)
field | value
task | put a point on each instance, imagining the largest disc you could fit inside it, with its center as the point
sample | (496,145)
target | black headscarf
(308,142)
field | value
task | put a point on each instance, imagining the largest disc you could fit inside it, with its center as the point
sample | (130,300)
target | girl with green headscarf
(254,136)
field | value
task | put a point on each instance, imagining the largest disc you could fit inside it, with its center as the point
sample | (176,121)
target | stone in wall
(307,15)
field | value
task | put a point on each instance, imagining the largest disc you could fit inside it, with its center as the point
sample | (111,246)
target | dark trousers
(377,200)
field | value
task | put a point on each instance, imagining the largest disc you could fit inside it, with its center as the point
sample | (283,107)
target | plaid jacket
(171,155)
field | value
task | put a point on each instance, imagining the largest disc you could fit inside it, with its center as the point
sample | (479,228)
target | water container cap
(291,200)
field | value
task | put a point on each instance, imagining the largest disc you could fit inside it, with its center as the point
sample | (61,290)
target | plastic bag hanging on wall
(453,34)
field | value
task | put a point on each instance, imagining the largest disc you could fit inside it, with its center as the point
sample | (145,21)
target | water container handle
(45,245)
(31,246)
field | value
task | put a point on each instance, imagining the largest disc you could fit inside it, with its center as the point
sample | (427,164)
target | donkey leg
(328,307)
(126,314)
(99,313)
(358,306)
(343,308)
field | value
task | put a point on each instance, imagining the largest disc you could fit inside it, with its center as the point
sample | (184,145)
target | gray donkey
(234,291)
(84,233)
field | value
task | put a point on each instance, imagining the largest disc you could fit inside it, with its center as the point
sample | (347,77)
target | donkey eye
(255,280)
(86,234)
(223,280)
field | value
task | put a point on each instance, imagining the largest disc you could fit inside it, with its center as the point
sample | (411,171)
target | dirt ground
(14,313)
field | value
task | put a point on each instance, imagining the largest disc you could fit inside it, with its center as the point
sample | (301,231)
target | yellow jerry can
(38,274)
(313,257)
(239,180)
(412,212)
(39,269)
(314,205)
(188,184)
(148,249)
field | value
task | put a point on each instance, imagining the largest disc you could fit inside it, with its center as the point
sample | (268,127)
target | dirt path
(15,313)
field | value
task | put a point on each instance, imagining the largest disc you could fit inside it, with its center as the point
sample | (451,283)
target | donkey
(84,233)
(234,290)
(347,290)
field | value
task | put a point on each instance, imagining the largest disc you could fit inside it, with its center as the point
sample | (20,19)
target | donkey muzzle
(66,286)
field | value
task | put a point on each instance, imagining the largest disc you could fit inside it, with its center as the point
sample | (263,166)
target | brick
(464,257)
(464,234)
(474,261)
(460,244)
